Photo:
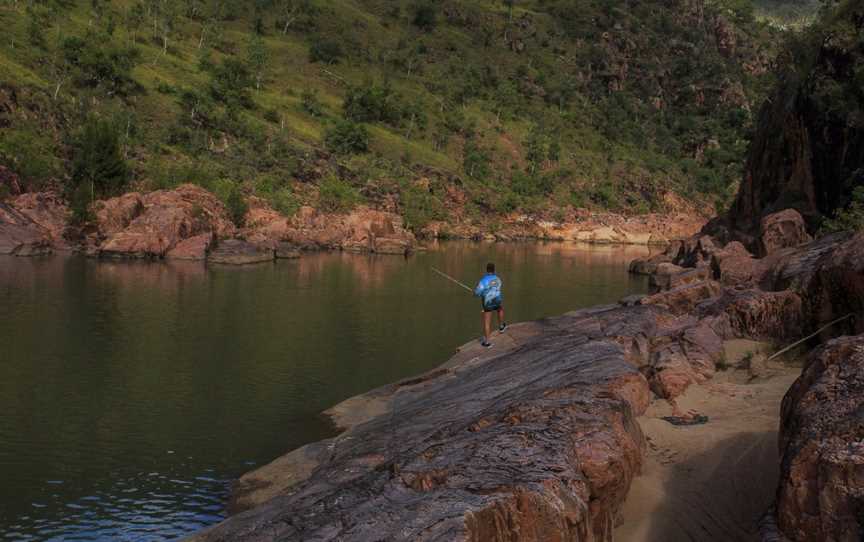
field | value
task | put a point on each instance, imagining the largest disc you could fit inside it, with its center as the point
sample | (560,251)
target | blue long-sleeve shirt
(489,289)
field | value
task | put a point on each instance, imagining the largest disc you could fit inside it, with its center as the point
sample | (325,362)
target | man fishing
(489,292)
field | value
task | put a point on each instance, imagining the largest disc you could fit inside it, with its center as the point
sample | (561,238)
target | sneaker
(485,344)
(502,327)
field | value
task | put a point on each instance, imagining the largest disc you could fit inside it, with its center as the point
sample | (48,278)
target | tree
(38,19)
(347,137)
(134,20)
(97,159)
(257,57)
(424,17)
(230,82)
(98,62)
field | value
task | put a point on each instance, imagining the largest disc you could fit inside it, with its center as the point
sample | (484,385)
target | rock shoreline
(190,223)
(539,440)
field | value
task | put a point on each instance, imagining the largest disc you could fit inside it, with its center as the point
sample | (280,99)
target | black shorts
(492,306)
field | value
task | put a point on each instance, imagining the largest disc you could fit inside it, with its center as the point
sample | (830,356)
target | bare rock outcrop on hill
(150,225)
(821,493)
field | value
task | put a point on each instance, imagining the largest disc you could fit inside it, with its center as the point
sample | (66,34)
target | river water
(132,393)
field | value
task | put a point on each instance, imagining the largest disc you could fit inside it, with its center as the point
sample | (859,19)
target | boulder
(478,449)
(49,211)
(734,265)
(287,251)
(782,230)
(821,489)
(670,373)
(684,299)
(150,225)
(648,266)
(193,248)
(239,252)
(21,236)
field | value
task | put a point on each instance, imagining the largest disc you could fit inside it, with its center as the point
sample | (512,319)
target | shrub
(336,195)
(325,50)
(80,200)
(311,104)
(347,137)
(283,201)
(850,218)
(372,103)
(424,17)
(98,62)
(236,204)
(230,83)
(419,207)
(97,160)
(29,153)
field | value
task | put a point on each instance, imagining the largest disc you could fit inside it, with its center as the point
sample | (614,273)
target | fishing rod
(451,279)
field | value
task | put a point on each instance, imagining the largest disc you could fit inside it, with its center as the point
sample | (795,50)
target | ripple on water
(129,511)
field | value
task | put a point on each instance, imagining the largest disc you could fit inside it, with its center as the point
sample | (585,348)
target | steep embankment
(809,145)
(463,112)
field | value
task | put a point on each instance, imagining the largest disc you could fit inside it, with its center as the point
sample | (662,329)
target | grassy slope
(618,150)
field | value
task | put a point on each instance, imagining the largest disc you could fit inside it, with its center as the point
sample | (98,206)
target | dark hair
(490,267)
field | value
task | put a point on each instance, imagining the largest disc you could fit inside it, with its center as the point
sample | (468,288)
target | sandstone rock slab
(239,252)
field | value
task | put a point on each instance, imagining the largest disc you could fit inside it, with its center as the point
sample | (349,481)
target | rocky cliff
(808,148)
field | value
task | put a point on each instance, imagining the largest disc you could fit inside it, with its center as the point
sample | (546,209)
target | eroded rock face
(477,450)
(782,230)
(19,235)
(363,230)
(150,225)
(47,210)
(821,493)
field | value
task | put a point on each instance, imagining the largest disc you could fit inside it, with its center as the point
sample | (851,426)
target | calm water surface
(132,393)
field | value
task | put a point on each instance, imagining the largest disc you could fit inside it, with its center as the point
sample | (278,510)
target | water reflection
(131,392)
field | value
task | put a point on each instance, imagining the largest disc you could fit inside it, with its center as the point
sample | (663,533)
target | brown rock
(542,455)
(684,299)
(670,373)
(239,252)
(782,230)
(821,493)
(193,248)
(286,251)
(47,210)
(21,236)
(648,266)
(148,226)
(734,265)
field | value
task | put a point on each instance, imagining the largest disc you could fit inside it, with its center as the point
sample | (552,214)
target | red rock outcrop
(821,493)
(49,211)
(150,225)
(19,235)
(362,230)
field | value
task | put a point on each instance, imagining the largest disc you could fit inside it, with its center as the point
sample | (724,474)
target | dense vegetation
(491,107)
(808,150)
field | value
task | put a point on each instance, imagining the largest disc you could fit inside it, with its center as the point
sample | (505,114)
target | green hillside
(467,107)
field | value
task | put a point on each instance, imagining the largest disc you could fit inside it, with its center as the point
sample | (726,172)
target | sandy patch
(711,482)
